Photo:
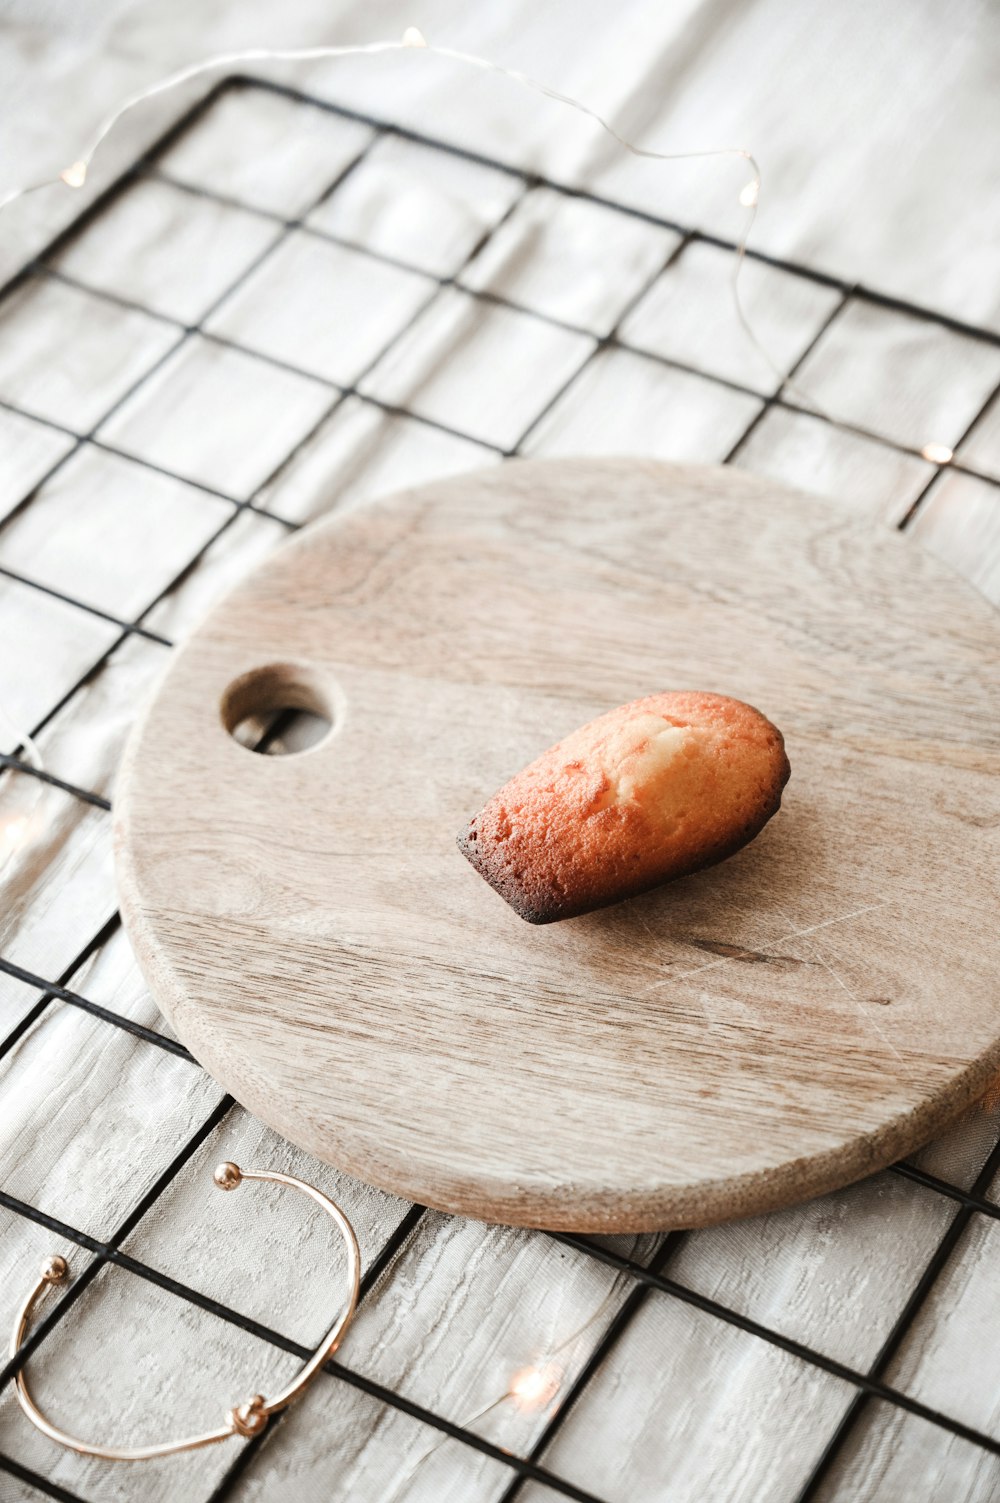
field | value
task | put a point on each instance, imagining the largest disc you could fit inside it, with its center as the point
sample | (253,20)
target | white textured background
(876,129)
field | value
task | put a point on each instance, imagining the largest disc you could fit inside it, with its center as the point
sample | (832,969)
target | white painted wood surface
(685,1406)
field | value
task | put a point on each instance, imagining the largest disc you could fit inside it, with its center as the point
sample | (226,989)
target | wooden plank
(58,88)
(324,308)
(83,742)
(18,1001)
(690,315)
(871,478)
(67,356)
(795,1273)
(57,883)
(570,259)
(981,449)
(959,1154)
(416,205)
(110,533)
(463,365)
(895,1458)
(835,197)
(960,523)
(620,395)
(662,75)
(92,1115)
(64,643)
(701,1408)
(218,417)
(174,252)
(933,1364)
(28,450)
(911,381)
(265,151)
(111,977)
(361,452)
(946,1364)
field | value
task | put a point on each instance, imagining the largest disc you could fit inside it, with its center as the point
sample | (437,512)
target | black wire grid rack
(647,1281)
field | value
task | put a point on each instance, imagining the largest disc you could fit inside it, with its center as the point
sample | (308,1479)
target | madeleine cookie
(651,791)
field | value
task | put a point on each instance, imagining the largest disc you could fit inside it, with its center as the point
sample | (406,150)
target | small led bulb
(75,175)
(749,194)
(534,1387)
(938,453)
(414,37)
(13,834)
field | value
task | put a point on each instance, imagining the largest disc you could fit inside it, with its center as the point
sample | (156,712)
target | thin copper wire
(75,175)
(246,1419)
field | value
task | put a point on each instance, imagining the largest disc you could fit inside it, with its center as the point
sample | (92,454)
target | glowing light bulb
(12,834)
(534,1387)
(749,194)
(75,175)
(414,37)
(938,453)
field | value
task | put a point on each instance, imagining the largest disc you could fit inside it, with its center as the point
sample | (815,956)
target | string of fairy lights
(533,1387)
(15,830)
(75,176)
(537,1384)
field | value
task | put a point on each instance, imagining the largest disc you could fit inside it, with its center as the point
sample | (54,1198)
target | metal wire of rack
(650,1280)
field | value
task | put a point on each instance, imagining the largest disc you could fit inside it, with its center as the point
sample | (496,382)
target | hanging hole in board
(280,710)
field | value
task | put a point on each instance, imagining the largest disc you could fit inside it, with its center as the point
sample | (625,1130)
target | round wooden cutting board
(787,1021)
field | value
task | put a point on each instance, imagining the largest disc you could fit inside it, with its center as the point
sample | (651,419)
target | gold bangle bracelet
(244,1419)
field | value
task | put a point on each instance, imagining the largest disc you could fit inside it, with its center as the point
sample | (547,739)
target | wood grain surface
(810,1010)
